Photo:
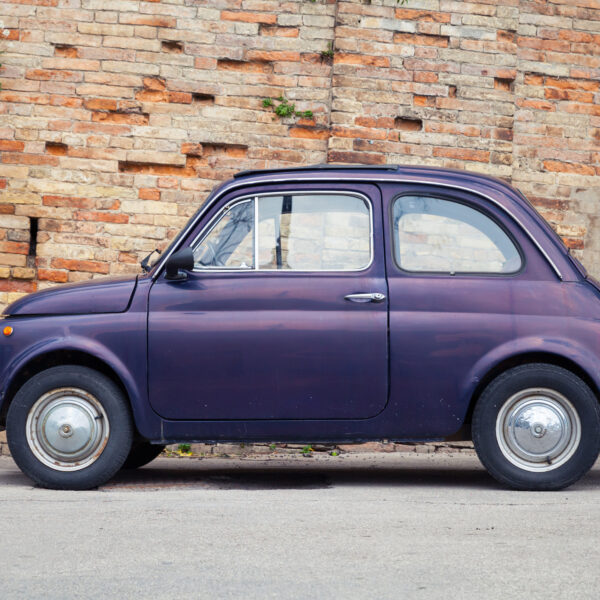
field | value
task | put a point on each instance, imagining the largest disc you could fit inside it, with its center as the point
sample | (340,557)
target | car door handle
(368,297)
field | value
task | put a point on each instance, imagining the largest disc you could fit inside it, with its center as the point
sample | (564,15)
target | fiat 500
(319,304)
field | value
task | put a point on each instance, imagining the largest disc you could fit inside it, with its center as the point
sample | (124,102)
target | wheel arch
(63,356)
(530,357)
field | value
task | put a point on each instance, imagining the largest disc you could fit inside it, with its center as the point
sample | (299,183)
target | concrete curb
(226,450)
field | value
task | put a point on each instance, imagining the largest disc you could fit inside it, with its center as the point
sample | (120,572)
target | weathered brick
(52,275)
(249,17)
(88,266)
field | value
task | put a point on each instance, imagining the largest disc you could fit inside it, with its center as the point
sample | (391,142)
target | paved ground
(396,526)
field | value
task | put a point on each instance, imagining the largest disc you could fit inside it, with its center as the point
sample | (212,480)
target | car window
(295,232)
(442,236)
(229,243)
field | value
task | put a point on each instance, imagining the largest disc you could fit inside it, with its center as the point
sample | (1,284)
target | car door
(284,315)
(462,275)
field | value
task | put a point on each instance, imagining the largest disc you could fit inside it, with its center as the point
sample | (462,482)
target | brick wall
(118,116)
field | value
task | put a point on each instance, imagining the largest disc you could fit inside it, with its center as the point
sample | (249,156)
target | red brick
(407,14)
(88,266)
(52,275)
(154,83)
(100,104)
(274,56)
(573,84)
(100,216)
(536,104)
(66,101)
(426,77)
(67,201)
(9,34)
(385,122)
(309,133)
(563,167)
(149,194)
(12,285)
(14,247)
(361,59)
(249,17)
(53,75)
(30,159)
(66,51)
(192,149)
(564,94)
(11,146)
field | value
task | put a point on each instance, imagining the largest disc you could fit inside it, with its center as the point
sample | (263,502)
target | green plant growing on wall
(285,109)
(327,55)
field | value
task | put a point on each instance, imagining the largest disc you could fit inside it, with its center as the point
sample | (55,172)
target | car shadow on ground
(253,476)
(256,475)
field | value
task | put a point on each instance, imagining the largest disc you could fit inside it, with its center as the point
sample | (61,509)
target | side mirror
(181,260)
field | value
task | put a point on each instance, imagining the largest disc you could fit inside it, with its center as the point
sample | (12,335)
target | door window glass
(297,232)
(230,243)
(313,233)
(435,235)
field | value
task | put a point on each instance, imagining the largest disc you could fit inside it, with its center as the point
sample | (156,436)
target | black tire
(113,420)
(142,452)
(507,442)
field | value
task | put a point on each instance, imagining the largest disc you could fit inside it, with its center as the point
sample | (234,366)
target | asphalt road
(367,526)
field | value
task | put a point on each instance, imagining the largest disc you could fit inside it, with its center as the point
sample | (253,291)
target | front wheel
(69,427)
(537,427)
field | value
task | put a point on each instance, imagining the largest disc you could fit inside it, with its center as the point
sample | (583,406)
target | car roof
(371,171)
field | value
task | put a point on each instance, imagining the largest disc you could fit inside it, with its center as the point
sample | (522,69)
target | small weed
(273,446)
(335,453)
(328,54)
(307,450)
(284,109)
(184,449)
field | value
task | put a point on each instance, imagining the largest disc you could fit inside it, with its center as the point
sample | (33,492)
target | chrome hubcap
(538,429)
(67,429)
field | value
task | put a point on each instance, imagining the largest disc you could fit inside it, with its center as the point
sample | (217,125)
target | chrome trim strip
(211,225)
(244,183)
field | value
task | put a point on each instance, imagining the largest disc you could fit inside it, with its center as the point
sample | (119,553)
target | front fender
(118,341)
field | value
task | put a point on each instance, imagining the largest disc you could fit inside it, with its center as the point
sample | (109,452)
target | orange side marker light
(7,330)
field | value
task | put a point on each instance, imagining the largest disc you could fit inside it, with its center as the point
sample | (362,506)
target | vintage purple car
(320,304)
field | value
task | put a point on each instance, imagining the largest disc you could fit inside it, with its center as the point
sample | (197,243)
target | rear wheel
(69,427)
(142,452)
(537,427)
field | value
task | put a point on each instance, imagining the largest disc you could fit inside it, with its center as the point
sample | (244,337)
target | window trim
(466,203)
(205,231)
(218,192)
